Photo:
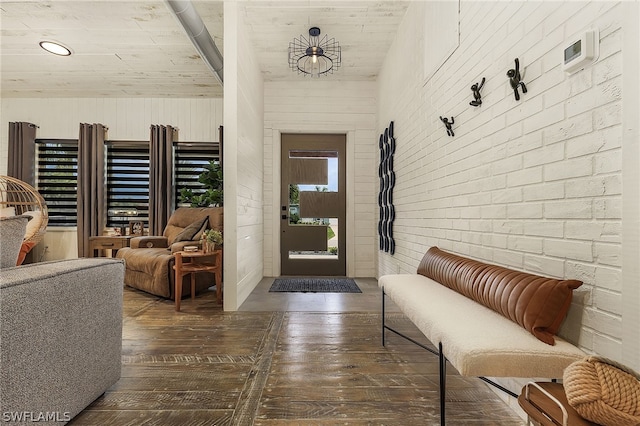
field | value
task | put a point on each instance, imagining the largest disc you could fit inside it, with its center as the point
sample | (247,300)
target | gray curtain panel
(22,151)
(91,188)
(160,177)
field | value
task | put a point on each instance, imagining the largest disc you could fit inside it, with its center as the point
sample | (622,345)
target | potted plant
(211,178)
(210,240)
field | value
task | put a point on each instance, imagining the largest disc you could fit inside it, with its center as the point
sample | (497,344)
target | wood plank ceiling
(138,49)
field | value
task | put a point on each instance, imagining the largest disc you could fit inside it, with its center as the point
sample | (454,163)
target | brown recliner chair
(149,260)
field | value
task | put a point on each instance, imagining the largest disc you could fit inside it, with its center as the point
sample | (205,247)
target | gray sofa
(60,336)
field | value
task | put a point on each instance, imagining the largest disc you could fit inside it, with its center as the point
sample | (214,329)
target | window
(57,179)
(127,182)
(189,161)
(127,177)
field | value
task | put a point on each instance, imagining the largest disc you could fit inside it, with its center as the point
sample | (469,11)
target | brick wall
(535,185)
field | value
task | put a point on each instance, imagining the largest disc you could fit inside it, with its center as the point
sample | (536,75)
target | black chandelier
(314,56)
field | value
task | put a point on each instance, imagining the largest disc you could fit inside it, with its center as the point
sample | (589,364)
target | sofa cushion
(193,231)
(536,303)
(185,216)
(12,231)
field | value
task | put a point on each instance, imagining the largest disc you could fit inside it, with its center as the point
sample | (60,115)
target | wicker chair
(19,198)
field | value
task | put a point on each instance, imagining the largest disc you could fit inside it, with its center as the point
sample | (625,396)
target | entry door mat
(314,285)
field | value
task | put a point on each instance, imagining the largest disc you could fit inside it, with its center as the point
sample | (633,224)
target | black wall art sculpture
(448,125)
(515,79)
(477,97)
(387,145)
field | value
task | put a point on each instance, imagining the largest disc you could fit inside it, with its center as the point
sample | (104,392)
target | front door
(313,205)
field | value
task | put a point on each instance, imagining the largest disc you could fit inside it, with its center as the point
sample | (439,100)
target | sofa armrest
(180,245)
(61,334)
(149,242)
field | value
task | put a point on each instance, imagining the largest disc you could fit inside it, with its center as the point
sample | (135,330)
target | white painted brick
(569,128)
(508,164)
(608,347)
(525,143)
(483,226)
(509,133)
(509,258)
(523,110)
(545,118)
(610,45)
(544,229)
(608,162)
(568,169)
(608,254)
(594,187)
(605,323)
(525,211)
(607,116)
(545,266)
(544,191)
(578,250)
(608,278)
(584,272)
(525,244)
(545,155)
(560,15)
(607,68)
(507,227)
(578,83)
(507,196)
(599,141)
(607,301)
(494,212)
(593,231)
(577,209)
(528,176)
(572,329)
(608,208)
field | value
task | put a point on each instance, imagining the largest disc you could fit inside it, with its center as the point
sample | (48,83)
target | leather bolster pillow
(536,303)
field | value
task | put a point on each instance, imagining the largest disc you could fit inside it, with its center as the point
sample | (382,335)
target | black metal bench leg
(383,316)
(443,380)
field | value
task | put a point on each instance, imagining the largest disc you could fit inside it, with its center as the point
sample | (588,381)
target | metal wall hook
(516,80)
(448,125)
(477,101)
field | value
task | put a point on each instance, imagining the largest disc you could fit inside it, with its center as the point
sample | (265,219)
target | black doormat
(315,285)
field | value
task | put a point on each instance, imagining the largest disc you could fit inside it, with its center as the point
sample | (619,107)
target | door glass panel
(312,189)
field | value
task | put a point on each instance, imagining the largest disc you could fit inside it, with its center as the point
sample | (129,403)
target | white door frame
(277,130)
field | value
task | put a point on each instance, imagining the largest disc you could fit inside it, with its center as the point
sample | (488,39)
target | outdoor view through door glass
(310,201)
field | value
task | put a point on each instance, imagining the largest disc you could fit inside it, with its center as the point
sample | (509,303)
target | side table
(108,242)
(183,268)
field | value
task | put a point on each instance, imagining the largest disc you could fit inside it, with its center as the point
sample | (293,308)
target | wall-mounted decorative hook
(448,125)
(516,80)
(477,101)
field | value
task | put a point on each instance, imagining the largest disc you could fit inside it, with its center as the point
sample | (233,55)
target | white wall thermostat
(581,51)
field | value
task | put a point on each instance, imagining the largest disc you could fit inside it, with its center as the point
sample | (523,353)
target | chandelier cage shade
(314,56)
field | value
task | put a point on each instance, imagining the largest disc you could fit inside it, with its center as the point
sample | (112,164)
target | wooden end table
(108,242)
(195,264)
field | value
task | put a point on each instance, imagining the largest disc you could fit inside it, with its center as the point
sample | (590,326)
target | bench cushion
(538,304)
(476,340)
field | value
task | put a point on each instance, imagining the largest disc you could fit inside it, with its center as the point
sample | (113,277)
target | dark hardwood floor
(203,366)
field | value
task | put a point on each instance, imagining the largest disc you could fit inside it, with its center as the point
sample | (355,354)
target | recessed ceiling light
(55,48)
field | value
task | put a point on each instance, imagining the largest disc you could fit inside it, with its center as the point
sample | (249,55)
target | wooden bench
(486,320)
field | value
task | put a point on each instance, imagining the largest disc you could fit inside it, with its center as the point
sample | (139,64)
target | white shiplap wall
(243,159)
(325,106)
(535,185)
(127,119)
